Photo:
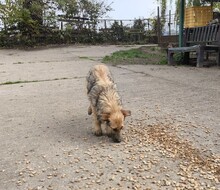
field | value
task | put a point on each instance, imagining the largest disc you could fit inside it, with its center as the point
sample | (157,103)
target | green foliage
(162,61)
(178,58)
(23,20)
(8,13)
(155,49)
(31,23)
(139,24)
(69,7)
(163,8)
(194,3)
(117,31)
(84,8)
(154,25)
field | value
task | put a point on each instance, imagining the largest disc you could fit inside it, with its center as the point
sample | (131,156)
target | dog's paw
(98,133)
(109,135)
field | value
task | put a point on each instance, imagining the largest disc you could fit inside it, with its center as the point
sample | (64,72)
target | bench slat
(215,34)
(204,32)
(184,49)
(201,35)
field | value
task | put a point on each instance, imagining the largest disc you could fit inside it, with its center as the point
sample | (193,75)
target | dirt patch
(155,55)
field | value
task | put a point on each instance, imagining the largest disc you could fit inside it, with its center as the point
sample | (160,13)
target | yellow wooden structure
(197,16)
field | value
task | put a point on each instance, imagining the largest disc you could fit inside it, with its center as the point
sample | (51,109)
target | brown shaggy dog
(105,103)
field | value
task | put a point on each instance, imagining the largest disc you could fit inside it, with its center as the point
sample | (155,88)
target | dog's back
(100,76)
(100,87)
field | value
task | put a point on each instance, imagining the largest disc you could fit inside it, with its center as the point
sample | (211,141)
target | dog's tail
(103,75)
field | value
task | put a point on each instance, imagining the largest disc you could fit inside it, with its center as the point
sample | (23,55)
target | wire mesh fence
(82,30)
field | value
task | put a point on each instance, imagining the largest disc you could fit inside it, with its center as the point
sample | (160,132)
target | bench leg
(186,58)
(200,57)
(170,58)
(207,56)
(218,58)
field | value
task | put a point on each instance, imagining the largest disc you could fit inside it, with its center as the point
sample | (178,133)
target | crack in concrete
(137,72)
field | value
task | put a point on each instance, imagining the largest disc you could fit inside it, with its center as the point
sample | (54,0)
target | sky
(130,9)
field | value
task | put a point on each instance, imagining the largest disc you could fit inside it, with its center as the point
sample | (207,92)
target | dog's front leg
(98,129)
(108,131)
(97,126)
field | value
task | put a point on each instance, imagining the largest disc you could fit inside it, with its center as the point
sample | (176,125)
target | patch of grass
(13,82)
(32,81)
(19,62)
(154,48)
(124,55)
(83,57)
(178,58)
(162,61)
(142,55)
(132,53)
(64,78)
(87,58)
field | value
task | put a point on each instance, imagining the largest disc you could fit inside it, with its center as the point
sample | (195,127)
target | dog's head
(115,121)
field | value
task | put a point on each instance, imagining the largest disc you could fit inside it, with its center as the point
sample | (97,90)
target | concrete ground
(171,141)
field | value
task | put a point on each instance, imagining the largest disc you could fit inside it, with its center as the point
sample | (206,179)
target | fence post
(61,27)
(181,24)
(105,24)
(169,24)
(158,24)
(148,24)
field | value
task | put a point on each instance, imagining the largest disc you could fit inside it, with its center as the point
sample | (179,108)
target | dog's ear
(105,116)
(126,112)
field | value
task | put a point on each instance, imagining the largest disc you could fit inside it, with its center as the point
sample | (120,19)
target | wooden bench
(199,40)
